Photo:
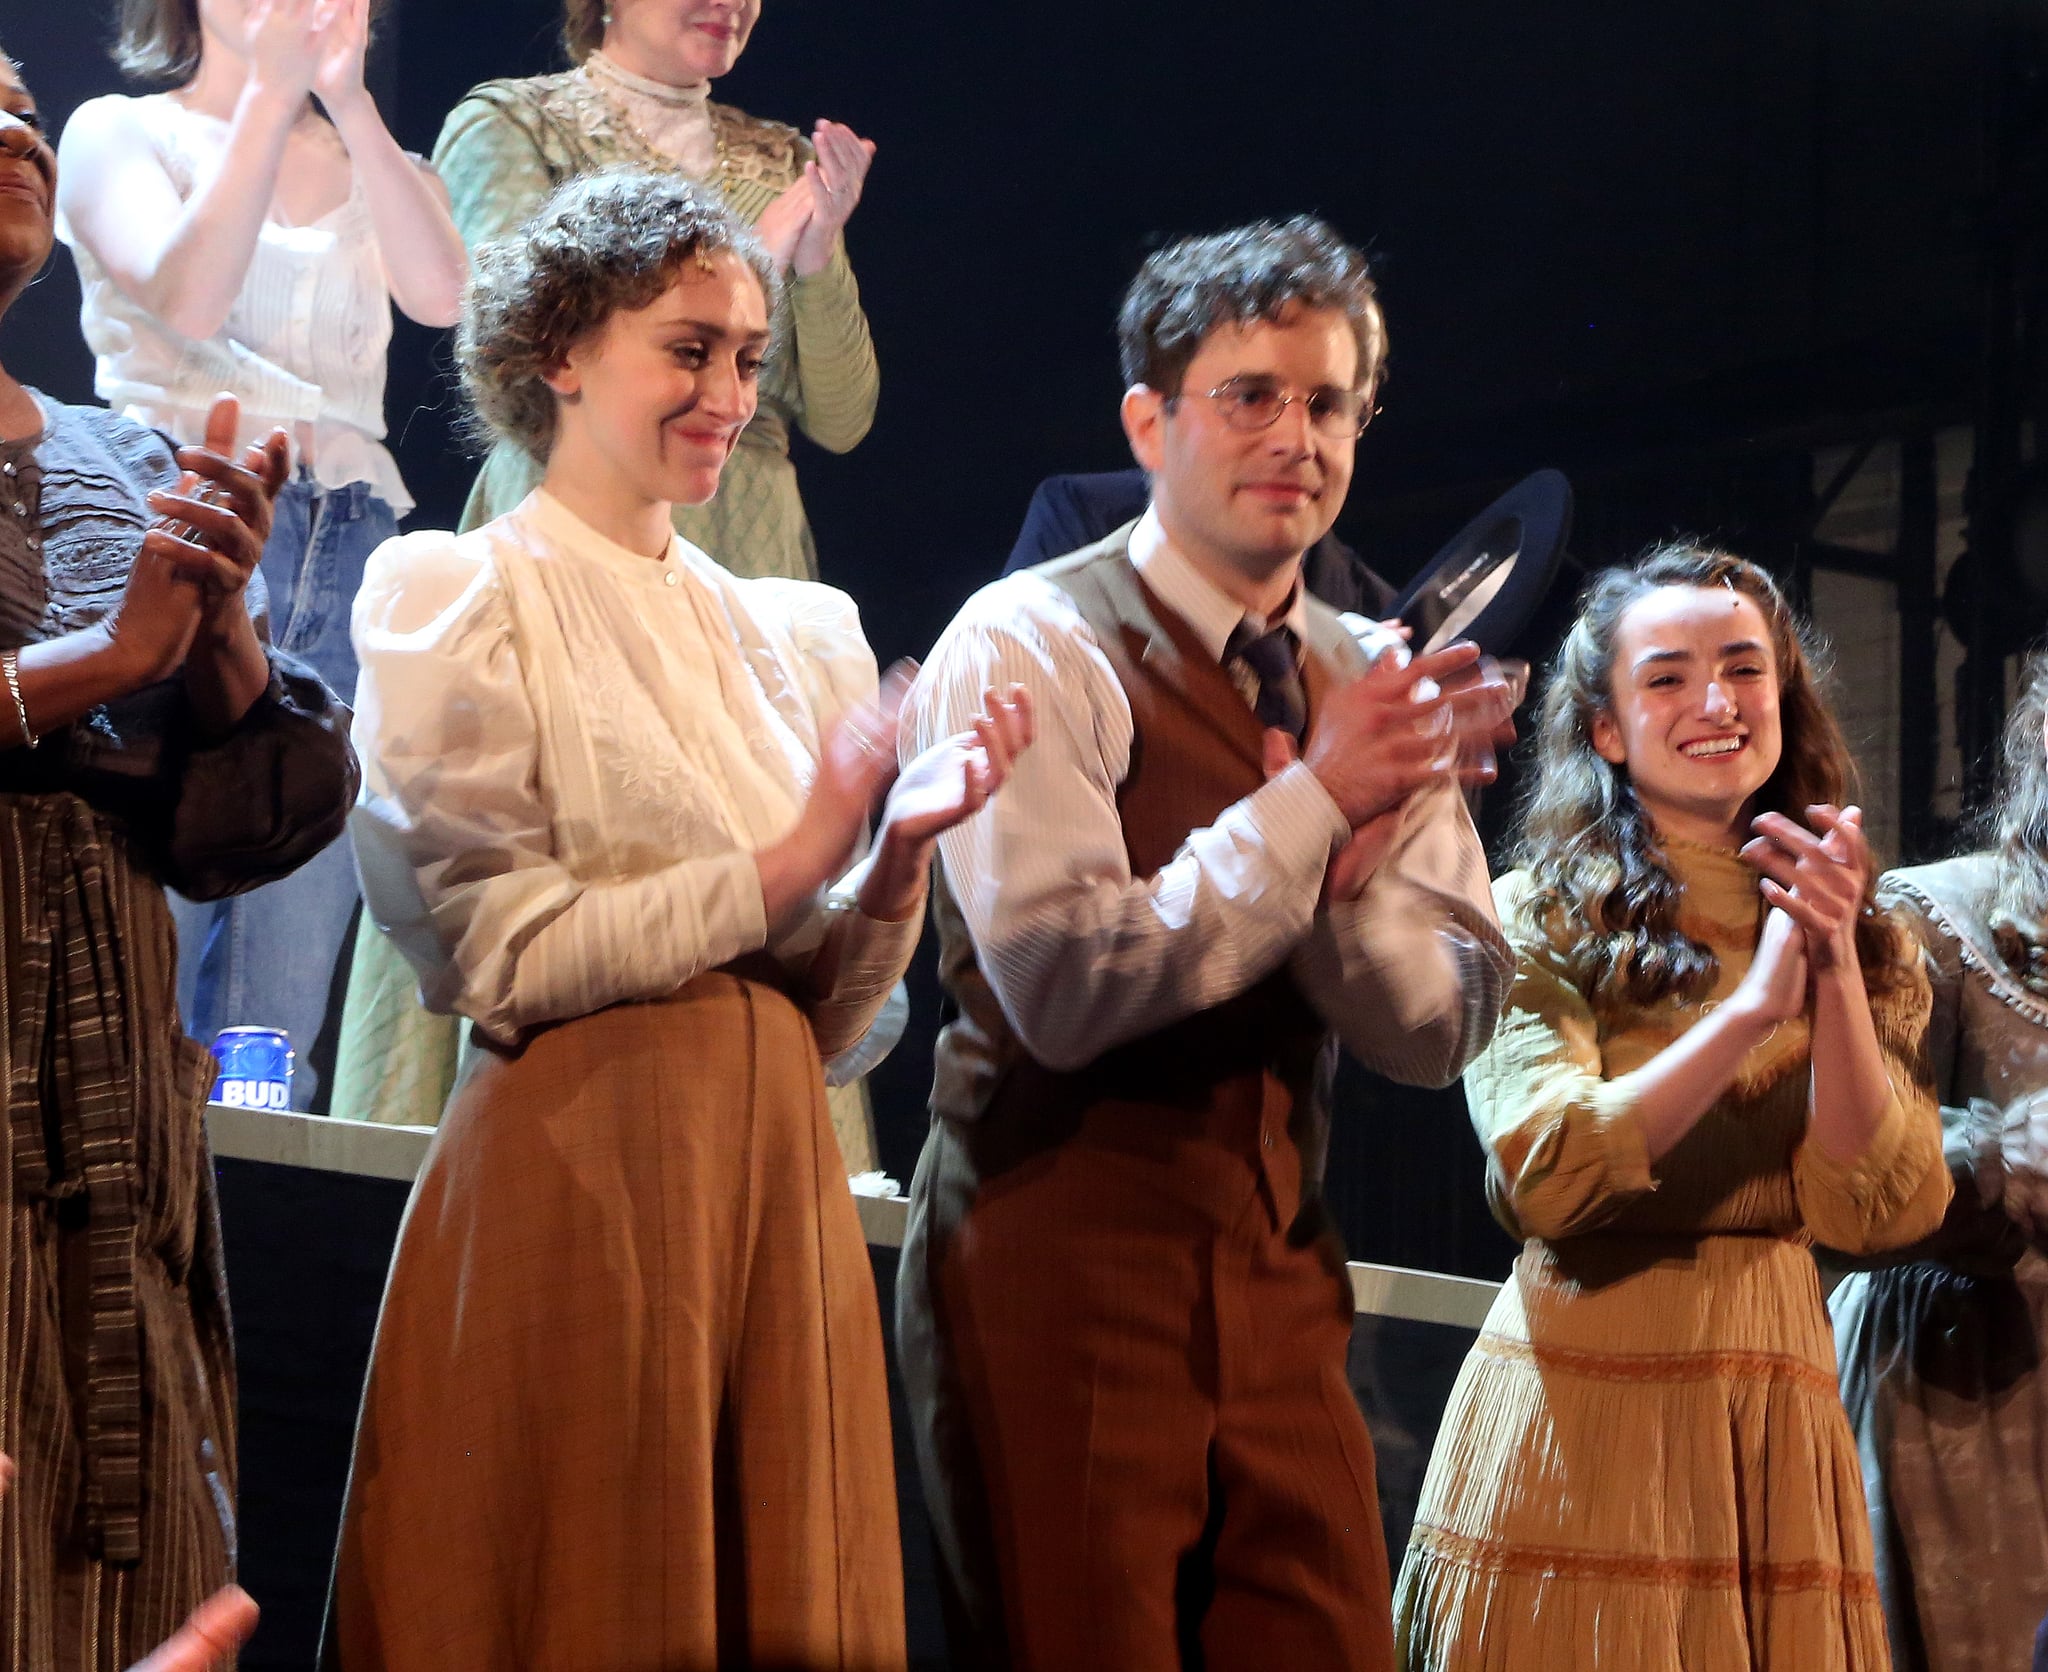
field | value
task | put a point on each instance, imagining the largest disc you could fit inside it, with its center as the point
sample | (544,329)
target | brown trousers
(627,1408)
(1138,1440)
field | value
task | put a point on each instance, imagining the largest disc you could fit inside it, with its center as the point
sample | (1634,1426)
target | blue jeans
(271,958)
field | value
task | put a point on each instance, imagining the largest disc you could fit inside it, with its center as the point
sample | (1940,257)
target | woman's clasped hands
(801,226)
(1818,877)
(188,581)
(1815,882)
(298,47)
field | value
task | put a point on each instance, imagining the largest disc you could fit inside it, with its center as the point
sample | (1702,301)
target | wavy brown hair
(601,244)
(1194,286)
(2015,828)
(1605,893)
(160,40)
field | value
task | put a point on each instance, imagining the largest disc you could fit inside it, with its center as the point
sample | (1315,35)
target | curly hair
(2015,828)
(1604,890)
(601,244)
(160,40)
(1190,288)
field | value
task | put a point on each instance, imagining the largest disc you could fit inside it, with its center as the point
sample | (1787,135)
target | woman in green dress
(638,96)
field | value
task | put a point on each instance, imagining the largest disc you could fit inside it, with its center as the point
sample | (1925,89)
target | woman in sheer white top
(234,235)
(627,1404)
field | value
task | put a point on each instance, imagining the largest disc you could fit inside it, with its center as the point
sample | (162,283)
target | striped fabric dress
(1645,1462)
(117,1380)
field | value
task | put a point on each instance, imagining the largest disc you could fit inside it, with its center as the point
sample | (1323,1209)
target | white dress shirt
(572,752)
(1083,956)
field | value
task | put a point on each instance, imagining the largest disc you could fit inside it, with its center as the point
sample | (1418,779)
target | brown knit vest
(1233,1099)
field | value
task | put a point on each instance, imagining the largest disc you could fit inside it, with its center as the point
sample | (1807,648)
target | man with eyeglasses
(1122,1311)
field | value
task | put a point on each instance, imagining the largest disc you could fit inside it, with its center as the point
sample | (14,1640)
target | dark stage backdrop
(1634,241)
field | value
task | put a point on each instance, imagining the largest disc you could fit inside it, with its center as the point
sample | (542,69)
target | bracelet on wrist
(10,670)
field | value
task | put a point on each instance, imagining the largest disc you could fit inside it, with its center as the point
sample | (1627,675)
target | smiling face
(679,42)
(28,185)
(660,394)
(1251,500)
(1693,709)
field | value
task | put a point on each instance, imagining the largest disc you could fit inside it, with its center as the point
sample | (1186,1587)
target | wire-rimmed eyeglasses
(1253,403)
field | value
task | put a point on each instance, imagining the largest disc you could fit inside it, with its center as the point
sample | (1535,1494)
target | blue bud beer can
(255,1068)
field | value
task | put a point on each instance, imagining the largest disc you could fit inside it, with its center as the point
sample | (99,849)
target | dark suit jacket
(1069,512)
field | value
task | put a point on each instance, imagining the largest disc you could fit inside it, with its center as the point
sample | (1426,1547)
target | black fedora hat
(1490,579)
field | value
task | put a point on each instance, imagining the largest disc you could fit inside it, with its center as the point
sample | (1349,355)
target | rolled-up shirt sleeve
(1082,955)
(455,835)
(1411,974)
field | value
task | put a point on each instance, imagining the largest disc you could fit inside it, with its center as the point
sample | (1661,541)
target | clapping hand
(953,779)
(342,28)
(218,516)
(1819,880)
(801,226)
(945,785)
(1377,740)
(1773,988)
(285,41)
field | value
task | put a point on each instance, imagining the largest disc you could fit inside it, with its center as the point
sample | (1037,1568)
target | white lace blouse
(571,754)
(675,121)
(305,344)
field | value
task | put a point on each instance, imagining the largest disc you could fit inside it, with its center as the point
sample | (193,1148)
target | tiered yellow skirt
(1645,1466)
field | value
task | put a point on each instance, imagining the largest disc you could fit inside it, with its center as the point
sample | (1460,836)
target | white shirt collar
(1193,596)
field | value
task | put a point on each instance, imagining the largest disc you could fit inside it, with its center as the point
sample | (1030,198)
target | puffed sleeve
(258,803)
(1896,1191)
(493,165)
(455,829)
(1565,1152)
(858,960)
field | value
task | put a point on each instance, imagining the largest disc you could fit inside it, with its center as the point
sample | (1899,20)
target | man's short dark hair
(1257,272)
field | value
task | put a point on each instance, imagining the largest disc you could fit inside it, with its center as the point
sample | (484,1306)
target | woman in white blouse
(627,1404)
(231,235)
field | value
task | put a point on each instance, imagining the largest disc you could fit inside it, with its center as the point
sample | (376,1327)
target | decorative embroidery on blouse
(750,148)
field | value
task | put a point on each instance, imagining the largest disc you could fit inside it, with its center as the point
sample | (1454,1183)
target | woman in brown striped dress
(146,737)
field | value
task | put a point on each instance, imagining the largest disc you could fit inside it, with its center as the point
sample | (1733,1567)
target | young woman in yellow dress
(1707,1063)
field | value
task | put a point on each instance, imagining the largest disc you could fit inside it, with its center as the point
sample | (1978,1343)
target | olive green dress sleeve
(1565,1152)
(495,166)
(837,384)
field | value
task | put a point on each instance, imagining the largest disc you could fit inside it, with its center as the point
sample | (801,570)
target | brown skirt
(627,1408)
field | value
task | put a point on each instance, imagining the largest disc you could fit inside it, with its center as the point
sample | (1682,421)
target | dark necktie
(1275,661)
